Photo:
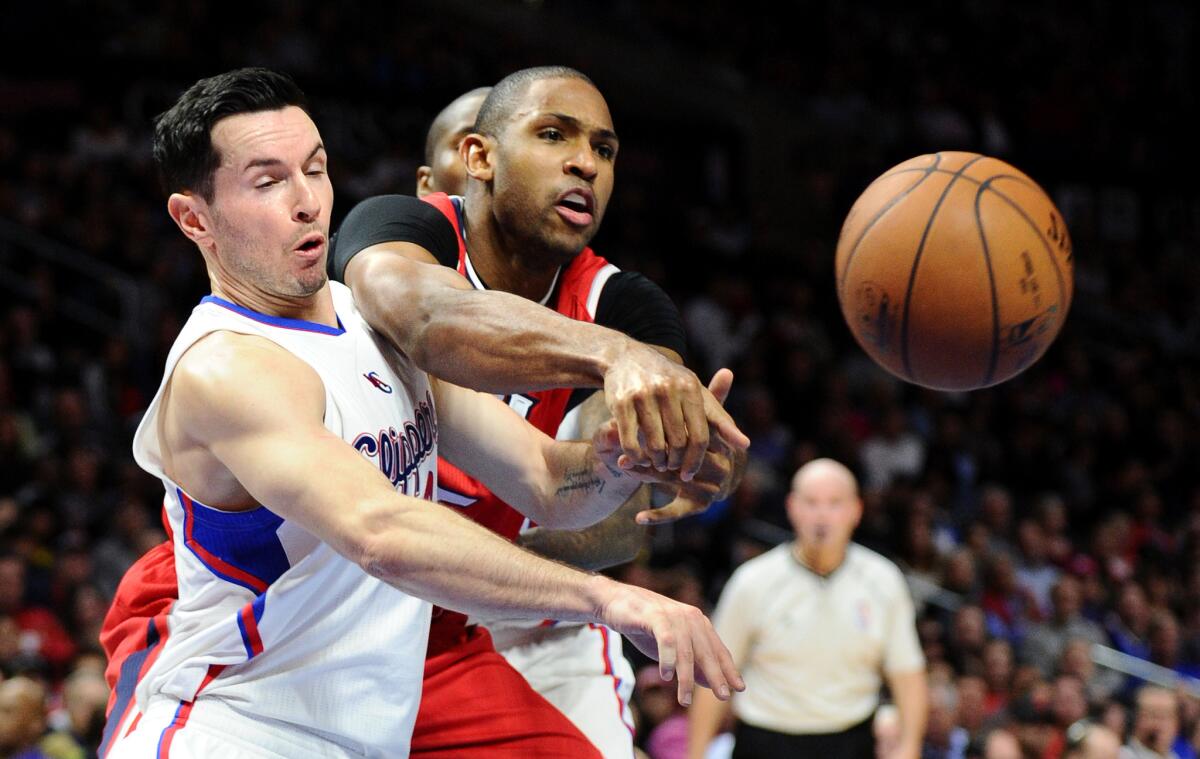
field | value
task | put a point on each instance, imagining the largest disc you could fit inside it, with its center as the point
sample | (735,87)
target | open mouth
(311,244)
(575,207)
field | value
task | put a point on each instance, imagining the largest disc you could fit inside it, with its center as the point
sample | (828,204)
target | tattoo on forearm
(580,479)
(617,473)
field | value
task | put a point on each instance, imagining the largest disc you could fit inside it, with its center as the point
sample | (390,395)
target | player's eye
(265,183)
(552,135)
(606,151)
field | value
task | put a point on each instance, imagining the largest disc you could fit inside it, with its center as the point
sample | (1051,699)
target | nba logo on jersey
(862,616)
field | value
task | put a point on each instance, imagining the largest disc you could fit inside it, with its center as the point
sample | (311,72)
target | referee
(816,626)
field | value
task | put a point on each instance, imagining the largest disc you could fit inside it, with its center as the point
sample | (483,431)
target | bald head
(824,508)
(1091,741)
(824,472)
(1001,744)
(443,170)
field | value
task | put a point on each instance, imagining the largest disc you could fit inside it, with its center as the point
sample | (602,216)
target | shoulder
(876,566)
(230,378)
(394,218)
(767,565)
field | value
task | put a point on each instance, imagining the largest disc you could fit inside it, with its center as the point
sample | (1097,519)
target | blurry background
(744,139)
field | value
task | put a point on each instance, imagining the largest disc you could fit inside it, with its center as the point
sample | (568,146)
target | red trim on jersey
(608,670)
(209,559)
(159,634)
(183,712)
(251,627)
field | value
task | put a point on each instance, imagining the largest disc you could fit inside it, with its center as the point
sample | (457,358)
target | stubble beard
(244,260)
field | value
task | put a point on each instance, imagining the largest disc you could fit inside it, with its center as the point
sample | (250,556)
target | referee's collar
(798,559)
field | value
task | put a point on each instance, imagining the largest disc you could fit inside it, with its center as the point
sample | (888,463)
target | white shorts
(208,728)
(579,669)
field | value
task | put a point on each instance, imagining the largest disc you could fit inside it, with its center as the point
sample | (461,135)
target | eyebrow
(607,134)
(260,162)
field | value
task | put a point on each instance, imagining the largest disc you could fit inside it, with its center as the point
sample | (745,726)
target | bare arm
(243,410)
(561,484)
(615,540)
(911,694)
(499,342)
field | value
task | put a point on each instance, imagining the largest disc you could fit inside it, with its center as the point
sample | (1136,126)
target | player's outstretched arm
(560,484)
(247,416)
(612,541)
(499,342)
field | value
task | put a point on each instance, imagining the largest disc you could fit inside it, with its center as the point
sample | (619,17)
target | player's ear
(190,214)
(425,181)
(476,153)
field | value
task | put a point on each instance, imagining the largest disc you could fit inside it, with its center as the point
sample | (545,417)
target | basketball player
(298,453)
(576,667)
(443,170)
(818,624)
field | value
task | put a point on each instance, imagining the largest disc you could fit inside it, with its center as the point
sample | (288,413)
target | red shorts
(475,705)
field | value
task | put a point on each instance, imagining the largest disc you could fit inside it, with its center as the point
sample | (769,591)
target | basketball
(954,271)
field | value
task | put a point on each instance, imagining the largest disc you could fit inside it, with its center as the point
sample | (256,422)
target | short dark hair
(497,108)
(183,149)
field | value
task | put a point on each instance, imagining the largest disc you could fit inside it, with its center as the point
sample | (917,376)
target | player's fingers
(664,640)
(627,429)
(720,384)
(694,415)
(724,423)
(716,663)
(651,426)
(679,508)
(676,432)
(685,664)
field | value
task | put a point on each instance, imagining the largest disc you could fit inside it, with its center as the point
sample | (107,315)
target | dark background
(746,133)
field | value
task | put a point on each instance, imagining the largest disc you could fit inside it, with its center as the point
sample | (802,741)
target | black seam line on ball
(928,170)
(912,275)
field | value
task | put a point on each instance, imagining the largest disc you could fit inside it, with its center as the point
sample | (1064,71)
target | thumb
(679,508)
(720,384)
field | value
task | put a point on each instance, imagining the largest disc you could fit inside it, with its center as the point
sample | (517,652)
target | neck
(820,559)
(316,308)
(505,262)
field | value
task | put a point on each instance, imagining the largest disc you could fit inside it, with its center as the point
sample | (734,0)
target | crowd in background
(1034,519)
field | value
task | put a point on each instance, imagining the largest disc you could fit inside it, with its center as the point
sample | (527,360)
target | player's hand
(709,483)
(663,412)
(727,464)
(679,636)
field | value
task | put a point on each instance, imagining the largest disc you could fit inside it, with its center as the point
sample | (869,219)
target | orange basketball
(954,271)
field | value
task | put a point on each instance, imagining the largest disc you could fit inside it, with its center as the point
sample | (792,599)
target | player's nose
(581,162)
(307,204)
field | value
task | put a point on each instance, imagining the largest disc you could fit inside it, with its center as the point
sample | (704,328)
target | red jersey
(574,294)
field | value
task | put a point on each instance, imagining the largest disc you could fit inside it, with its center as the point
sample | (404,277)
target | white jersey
(271,622)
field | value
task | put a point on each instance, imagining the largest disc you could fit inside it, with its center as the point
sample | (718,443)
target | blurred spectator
(944,738)
(892,452)
(1100,683)
(664,722)
(41,631)
(1044,643)
(1155,725)
(1086,740)
(1128,625)
(1035,574)
(22,718)
(1000,744)
(1006,604)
